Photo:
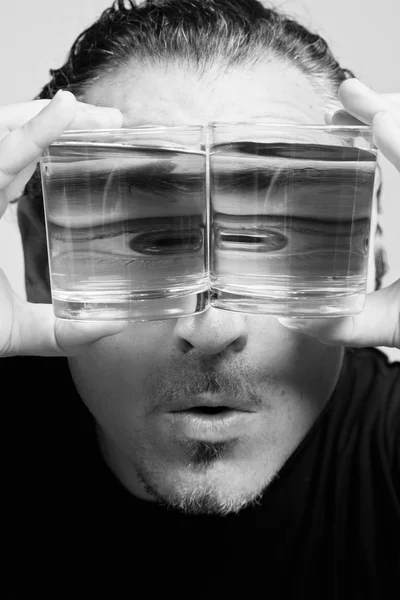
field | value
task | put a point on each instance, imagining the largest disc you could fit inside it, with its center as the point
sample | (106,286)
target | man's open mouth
(212,405)
(208,410)
(212,418)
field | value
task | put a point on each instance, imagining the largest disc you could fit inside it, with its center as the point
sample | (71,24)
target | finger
(4,131)
(387,137)
(392,98)
(88,116)
(377,325)
(25,144)
(15,189)
(342,117)
(73,338)
(16,115)
(17,186)
(42,334)
(363,103)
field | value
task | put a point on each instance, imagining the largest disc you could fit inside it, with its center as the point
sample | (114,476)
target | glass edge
(76,135)
(79,136)
(149,129)
(127,130)
(221,124)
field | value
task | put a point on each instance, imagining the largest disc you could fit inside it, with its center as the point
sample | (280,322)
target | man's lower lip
(210,427)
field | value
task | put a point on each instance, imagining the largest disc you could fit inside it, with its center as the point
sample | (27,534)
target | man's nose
(212,332)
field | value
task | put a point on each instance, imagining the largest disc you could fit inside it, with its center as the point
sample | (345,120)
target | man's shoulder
(374,355)
(371,368)
(366,402)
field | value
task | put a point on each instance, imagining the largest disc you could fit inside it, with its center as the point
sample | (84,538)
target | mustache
(215,383)
(202,377)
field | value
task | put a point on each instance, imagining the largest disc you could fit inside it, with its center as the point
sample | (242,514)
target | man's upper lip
(213,401)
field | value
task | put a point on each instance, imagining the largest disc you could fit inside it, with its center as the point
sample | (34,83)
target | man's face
(274,381)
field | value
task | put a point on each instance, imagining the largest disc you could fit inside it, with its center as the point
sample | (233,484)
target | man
(302,491)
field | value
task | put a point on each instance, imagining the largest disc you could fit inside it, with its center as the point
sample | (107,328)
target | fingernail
(92,108)
(57,96)
(362,86)
(61,95)
(116,116)
(112,114)
(292,323)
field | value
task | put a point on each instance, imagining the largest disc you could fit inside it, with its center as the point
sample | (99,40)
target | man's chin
(217,489)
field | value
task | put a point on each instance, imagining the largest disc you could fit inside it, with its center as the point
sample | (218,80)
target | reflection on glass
(290,225)
(124,224)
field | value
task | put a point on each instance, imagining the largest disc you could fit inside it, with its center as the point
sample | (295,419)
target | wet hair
(201,34)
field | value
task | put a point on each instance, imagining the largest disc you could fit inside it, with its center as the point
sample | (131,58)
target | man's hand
(379,323)
(25,130)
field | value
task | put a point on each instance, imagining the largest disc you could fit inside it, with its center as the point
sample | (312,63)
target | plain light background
(363,34)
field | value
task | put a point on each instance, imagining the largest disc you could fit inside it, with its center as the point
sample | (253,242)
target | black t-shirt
(328,526)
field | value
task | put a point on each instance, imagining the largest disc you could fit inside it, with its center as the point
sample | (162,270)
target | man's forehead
(180,95)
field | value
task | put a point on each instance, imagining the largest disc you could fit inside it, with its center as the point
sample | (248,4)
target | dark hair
(201,33)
